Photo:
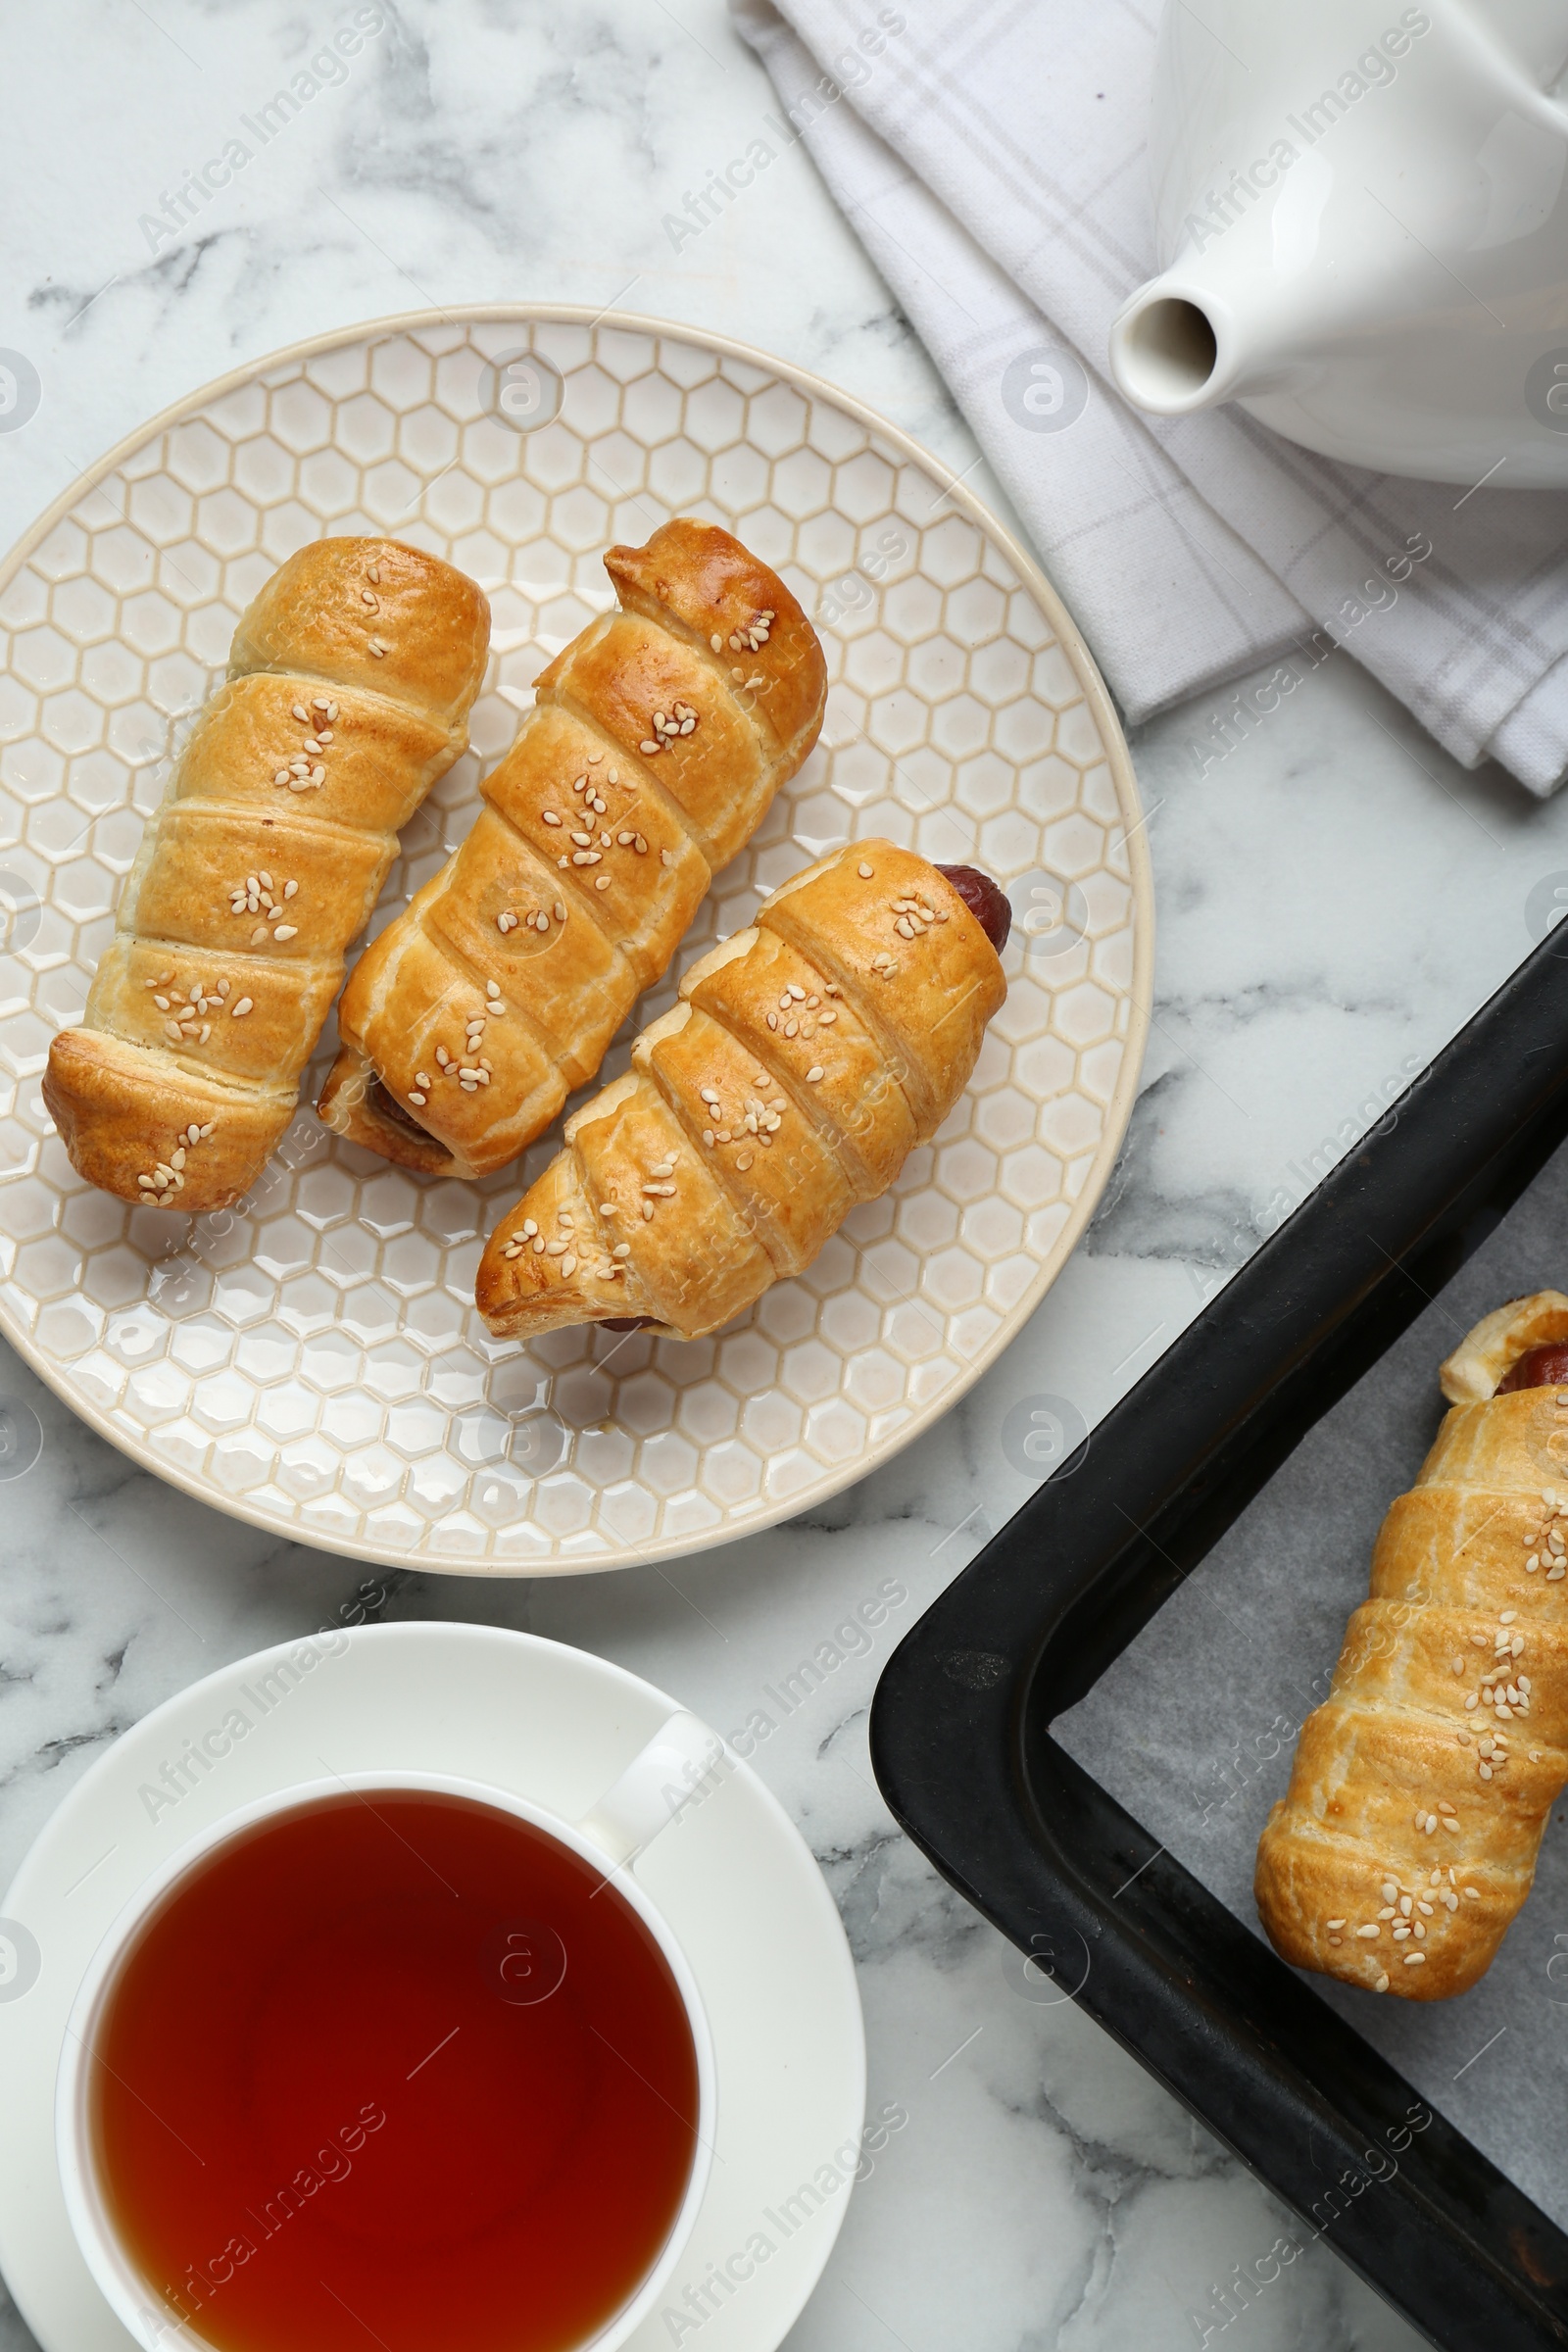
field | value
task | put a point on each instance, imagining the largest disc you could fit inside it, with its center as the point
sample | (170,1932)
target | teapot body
(1361,214)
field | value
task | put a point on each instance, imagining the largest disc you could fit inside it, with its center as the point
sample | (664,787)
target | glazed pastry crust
(1433,1764)
(315,618)
(123,1111)
(1472,1372)
(263,862)
(806,1058)
(657,739)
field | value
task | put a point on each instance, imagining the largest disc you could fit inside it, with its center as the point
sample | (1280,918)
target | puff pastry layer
(1408,1836)
(807,1058)
(657,739)
(350,683)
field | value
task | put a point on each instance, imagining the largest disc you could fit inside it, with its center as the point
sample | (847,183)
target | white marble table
(1335,900)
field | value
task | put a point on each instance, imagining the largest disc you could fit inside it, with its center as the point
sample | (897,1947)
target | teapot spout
(1362,227)
(1165,351)
(1183,343)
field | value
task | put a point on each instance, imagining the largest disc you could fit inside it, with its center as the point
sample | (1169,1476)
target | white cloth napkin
(991,156)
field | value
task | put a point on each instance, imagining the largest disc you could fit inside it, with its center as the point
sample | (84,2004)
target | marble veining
(1335,898)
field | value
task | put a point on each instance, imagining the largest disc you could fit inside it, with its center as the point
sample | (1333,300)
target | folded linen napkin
(990,154)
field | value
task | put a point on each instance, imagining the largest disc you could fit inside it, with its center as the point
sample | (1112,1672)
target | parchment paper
(1193,1728)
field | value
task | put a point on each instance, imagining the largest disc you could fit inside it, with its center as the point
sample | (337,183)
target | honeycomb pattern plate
(312,1360)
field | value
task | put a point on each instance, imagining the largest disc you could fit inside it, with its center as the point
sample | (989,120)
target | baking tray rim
(959,1728)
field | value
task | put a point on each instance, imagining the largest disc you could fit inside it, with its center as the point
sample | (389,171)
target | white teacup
(681,1761)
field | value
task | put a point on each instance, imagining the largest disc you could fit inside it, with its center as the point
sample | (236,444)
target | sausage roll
(806,1059)
(1408,1837)
(350,683)
(657,739)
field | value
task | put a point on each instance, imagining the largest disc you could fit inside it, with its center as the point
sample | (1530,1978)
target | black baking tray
(960,1726)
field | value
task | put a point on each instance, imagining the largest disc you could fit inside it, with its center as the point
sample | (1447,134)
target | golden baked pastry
(350,683)
(806,1059)
(1408,1837)
(657,739)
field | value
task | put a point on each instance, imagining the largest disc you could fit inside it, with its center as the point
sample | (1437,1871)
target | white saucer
(732,1875)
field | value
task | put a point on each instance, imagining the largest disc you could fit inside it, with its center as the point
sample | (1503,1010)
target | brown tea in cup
(400,2068)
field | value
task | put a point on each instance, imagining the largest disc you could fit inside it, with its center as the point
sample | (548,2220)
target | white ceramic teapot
(1362,209)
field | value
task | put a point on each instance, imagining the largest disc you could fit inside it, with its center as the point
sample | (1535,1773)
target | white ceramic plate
(313,1360)
(732,1875)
